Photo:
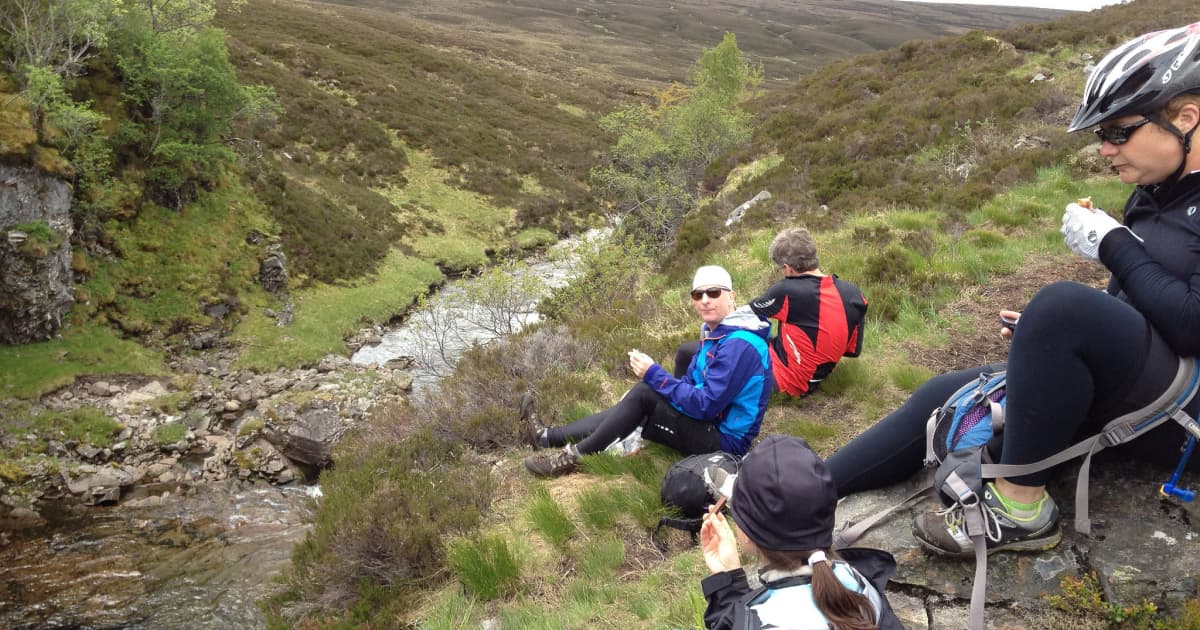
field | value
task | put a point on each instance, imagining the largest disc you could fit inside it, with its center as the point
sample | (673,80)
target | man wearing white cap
(716,405)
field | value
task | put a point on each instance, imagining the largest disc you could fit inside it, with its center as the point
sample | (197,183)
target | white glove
(1083,229)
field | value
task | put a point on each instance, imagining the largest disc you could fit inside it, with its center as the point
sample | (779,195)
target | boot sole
(1030,544)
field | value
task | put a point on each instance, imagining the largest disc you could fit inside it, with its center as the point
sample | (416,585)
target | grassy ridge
(352,82)
(942,124)
(659,39)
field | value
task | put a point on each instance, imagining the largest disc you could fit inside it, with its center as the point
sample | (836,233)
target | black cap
(784,498)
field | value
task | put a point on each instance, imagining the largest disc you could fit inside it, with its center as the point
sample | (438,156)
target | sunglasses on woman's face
(711,293)
(1119,134)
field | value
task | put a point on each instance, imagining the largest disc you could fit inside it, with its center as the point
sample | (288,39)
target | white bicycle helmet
(1141,76)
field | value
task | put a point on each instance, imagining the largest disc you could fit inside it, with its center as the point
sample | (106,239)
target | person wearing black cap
(783,504)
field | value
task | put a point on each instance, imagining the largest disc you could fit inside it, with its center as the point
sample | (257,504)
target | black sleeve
(724,592)
(768,305)
(855,304)
(1172,305)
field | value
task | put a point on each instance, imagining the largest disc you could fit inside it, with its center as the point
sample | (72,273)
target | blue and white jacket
(728,382)
(785,600)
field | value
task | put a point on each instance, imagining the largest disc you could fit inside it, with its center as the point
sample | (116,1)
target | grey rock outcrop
(272,272)
(35,270)
(1144,548)
(310,437)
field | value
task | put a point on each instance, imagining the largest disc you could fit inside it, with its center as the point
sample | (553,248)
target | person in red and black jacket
(820,316)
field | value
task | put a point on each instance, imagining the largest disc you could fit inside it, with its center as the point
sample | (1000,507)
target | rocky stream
(189,532)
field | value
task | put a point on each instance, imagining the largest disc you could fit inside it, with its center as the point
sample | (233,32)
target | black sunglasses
(1119,134)
(711,293)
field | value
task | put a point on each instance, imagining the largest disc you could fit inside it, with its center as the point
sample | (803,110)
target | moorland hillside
(415,142)
(934,174)
(658,40)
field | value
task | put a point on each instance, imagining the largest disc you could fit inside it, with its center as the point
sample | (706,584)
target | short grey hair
(795,247)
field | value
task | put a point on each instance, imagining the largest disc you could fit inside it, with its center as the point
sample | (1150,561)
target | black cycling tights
(1079,357)
(595,432)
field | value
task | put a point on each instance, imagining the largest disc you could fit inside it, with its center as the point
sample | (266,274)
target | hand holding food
(1084,227)
(639,362)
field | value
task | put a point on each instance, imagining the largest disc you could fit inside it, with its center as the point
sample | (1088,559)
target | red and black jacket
(820,321)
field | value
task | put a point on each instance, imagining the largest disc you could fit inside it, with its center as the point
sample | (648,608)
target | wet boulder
(99,484)
(309,438)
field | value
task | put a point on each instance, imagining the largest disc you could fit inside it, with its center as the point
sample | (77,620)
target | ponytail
(842,607)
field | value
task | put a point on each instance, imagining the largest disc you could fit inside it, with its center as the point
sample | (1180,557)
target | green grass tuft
(169,433)
(549,518)
(599,560)
(485,565)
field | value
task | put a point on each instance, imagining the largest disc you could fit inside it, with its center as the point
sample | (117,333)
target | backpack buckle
(1117,435)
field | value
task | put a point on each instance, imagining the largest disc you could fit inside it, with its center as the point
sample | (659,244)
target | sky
(1065,5)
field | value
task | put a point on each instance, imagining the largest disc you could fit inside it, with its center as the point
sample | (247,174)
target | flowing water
(180,560)
(451,323)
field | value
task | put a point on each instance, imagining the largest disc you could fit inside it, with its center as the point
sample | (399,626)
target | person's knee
(1062,304)
(683,356)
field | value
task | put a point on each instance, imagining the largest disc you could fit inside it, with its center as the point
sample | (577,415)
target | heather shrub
(481,406)
(399,489)
(606,288)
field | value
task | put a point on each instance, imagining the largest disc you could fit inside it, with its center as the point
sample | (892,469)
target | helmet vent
(1134,60)
(1132,85)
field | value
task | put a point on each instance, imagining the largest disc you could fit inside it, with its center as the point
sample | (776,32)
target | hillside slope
(658,40)
(933,175)
(504,96)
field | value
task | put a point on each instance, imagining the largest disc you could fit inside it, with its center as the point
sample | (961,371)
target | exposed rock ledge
(1144,548)
(35,270)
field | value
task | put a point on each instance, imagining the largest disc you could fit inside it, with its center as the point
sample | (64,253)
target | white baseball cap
(710,276)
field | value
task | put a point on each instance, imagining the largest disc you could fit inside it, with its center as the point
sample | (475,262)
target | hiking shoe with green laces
(552,463)
(944,531)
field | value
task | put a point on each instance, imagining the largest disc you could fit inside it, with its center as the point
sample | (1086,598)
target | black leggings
(642,405)
(1079,358)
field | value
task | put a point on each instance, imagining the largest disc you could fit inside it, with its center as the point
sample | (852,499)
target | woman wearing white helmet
(1081,357)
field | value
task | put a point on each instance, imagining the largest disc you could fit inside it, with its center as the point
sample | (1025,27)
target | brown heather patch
(981,306)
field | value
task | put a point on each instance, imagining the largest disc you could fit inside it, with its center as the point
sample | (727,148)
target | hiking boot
(532,431)
(944,531)
(552,464)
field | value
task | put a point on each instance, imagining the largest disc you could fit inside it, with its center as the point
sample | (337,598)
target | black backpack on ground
(685,491)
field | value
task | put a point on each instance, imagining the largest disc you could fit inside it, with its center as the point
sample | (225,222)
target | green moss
(200,251)
(17,136)
(87,425)
(51,162)
(251,426)
(534,238)
(325,315)
(12,472)
(40,239)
